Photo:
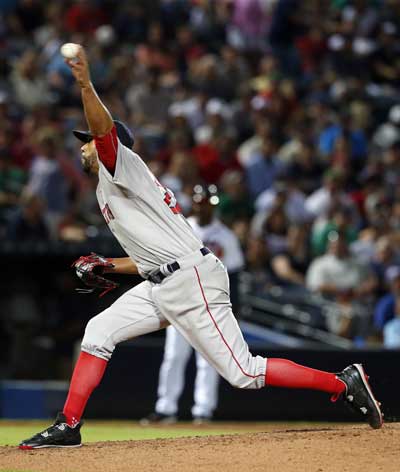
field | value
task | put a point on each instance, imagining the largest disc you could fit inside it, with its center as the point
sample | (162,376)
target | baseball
(69,50)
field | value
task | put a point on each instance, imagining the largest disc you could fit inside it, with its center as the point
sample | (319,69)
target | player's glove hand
(90,270)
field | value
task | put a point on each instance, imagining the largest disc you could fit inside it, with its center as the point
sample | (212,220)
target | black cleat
(57,435)
(358,395)
(158,418)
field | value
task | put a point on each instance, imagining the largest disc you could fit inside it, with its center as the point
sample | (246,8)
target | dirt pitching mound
(344,448)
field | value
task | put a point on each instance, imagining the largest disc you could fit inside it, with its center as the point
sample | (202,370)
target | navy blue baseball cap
(123,132)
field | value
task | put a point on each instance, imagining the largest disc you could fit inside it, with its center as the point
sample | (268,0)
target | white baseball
(69,50)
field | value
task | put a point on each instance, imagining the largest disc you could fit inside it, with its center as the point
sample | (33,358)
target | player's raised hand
(80,68)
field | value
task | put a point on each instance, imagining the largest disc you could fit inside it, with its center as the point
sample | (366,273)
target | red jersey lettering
(107,213)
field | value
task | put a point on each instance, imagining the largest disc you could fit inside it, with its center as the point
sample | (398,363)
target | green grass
(11,433)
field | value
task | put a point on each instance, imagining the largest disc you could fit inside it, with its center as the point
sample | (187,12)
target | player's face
(89,161)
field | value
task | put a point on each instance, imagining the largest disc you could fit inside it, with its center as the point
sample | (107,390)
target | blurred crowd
(291,108)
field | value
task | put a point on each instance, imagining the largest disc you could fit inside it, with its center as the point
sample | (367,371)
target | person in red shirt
(84,17)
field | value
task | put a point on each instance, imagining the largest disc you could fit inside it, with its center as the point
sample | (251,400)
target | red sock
(87,375)
(284,373)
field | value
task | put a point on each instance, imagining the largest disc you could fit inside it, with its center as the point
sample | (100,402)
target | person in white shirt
(319,202)
(337,272)
(339,276)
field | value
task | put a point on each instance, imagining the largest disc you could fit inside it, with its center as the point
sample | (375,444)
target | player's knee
(96,340)
(241,383)
(246,381)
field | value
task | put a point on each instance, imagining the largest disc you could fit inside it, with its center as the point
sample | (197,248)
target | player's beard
(86,166)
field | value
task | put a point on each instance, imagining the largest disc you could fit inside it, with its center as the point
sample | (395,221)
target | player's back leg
(132,315)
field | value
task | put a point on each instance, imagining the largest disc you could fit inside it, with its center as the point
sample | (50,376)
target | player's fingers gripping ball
(90,270)
(70,50)
(75,57)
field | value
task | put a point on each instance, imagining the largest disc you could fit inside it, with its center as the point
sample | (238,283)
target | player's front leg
(59,434)
(132,315)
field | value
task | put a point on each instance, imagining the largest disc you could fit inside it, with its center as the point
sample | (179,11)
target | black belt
(158,277)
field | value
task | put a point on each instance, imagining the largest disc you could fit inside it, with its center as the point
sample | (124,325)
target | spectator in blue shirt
(263,168)
(357,139)
(385,309)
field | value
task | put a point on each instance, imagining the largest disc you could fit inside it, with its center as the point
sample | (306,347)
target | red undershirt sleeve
(107,148)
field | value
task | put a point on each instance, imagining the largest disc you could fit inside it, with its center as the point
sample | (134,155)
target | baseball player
(185,284)
(177,351)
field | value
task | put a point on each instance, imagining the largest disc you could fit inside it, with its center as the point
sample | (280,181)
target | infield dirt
(331,449)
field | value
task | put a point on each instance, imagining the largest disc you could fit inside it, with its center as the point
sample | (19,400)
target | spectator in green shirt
(234,201)
(339,219)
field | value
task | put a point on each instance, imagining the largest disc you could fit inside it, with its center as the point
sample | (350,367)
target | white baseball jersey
(144,217)
(142,214)
(222,241)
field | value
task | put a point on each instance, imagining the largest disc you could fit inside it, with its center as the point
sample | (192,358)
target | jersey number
(170,200)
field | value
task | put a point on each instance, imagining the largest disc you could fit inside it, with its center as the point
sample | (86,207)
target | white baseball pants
(195,300)
(177,352)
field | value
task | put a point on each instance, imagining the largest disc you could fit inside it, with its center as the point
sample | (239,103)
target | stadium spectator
(84,16)
(233,92)
(385,255)
(28,16)
(253,145)
(387,306)
(235,202)
(12,181)
(305,166)
(258,270)
(274,229)
(46,178)
(341,278)
(249,23)
(319,203)
(30,87)
(264,167)
(286,190)
(130,23)
(29,223)
(290,266)
(149,101)
(339,220)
